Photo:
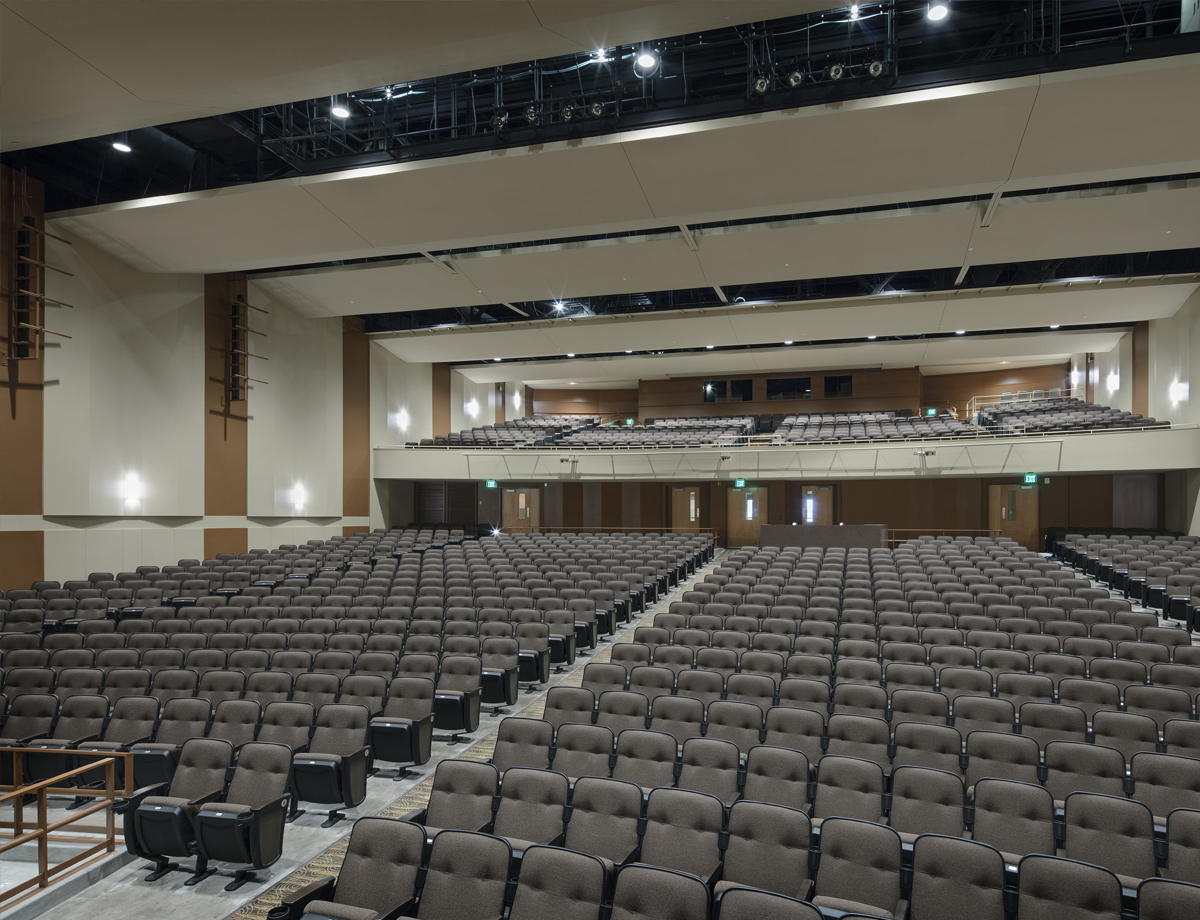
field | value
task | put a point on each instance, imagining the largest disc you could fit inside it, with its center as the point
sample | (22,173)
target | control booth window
(789,388)
(741,390)
(714,391)
(837,386)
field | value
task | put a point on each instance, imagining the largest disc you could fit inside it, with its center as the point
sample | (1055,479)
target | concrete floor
(116,890)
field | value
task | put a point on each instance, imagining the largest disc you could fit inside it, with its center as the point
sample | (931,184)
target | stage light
(121,142)
(499,120)
(836,72)
(531,115)
(875,68)
(795,78)
(337,108)
(596,109)
(566,113)
(646,60)
(558,306)
(938,10)
(761,85)
(853,10)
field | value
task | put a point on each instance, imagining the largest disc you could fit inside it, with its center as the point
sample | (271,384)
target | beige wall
(401,410)
(463,392)
(1175,359)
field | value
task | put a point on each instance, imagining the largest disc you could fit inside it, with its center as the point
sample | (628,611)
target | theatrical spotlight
(596,109)
(836,71)
(566,113)
(938,10)
(531,115)
(795,78)
(761,85)
(499,120)
(875,68)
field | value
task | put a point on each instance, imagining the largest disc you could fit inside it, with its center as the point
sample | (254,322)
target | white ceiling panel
(1085,303)
(1102,123)
(373,288)
(885,241)
(623,265)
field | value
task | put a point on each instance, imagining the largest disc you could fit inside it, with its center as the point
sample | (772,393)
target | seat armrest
(85,740)
(901,911)
(292,906)
(133,801)
(416,817)
(400,910)
(24,742)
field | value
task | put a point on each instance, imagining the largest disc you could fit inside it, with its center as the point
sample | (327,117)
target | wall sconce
(298,496)
(472,408)
(1178,391)
(1114,382)
(400,419)
(131,489)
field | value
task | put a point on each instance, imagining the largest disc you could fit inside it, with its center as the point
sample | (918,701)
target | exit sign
(491,483)
(629,421)
(1031,478)
(739,483)
(931,411)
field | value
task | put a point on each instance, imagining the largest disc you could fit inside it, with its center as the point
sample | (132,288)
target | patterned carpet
(329,862)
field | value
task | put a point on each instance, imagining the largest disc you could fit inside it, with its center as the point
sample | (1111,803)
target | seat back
(340,729)
(467,877)
(768,848)
(463,795)
(1050,888)
(954,878)
(202,766)
(532,805)
(262,774)
(860,861)
(604,818)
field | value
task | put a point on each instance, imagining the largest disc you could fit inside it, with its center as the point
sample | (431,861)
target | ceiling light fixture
(558,305)
(788,342)
(566,113)
(531,115)
(596,109)
(960,332)
(628,351)
(646,60)
(795,78)
(708,346)
(938,10)
(875,68)
(338,108)
(836,71)
(853,10)
(1055,326)
(572,383)
(499,120)
(121,142)
(497,359)
(871,338)
(570,354)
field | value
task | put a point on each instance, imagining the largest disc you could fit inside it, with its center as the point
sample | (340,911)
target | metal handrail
(44,831)
(1022,397)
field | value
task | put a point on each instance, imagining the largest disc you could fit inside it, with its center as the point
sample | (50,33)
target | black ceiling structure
(869,50)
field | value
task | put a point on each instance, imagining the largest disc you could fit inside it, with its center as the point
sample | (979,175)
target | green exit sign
(491,483)
(1031,479)
(931,411)
(630,421)
(739,483)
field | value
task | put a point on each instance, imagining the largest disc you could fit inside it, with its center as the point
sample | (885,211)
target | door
(746,512)
(685,509)
(522,510)
(1013,510)
(816,504)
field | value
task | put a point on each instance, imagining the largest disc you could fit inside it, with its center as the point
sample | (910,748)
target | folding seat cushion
(467,877)
(860,869)
(767,849)
(954,878)
(1163,899)
(682,832)
(605,816)
(648,893)
(1050,888)
(1015,818)
(1110,831)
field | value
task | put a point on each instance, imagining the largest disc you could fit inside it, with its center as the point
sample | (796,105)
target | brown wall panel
(224,540)
(441,399)
(351,531)
(22,558)
(572,505)
(610,504)
(591,501)
(552,504)
(356,419)
(1141,368)
(946,390)
(461,502)
(776,503)
(1091,501)
(582,402)
(430,503)
(631,504)
(1136,500)
(1054,502)
(224,424)
(651,513)
(21,415)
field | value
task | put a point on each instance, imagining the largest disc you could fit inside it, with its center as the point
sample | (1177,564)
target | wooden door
(746,512)
(816,504)
(685,509)
(521,509)
(1013,510)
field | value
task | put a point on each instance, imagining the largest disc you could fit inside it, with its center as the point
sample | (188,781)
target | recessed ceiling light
(938,10)
(1055,326)
(960,332)
(340,111)
(788,342)
(628,351)
(122,146)
(570,354)
(708,346)
(572,383)
(497,359)
(871,337)
(646,60)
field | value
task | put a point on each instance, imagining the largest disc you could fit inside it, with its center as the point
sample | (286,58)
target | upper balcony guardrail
(1023,397)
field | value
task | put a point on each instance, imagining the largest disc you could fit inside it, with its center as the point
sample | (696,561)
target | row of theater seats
(1061,414)
(867,426)
(522,432)
(570,841)
(701,432)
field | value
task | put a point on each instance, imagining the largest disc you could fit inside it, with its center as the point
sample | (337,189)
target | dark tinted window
(839,386)
(714,391)
(789,388)
(741,390)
